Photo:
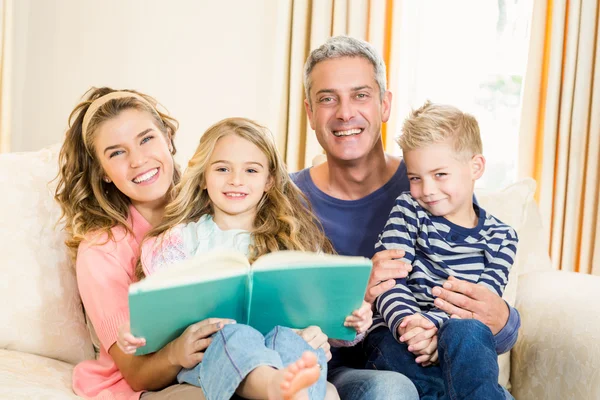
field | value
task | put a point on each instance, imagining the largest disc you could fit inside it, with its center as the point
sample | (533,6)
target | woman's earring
(106,179)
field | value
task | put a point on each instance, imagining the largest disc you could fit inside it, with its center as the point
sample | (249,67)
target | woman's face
(136,157)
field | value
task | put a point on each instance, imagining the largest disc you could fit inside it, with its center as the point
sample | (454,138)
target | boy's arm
(400,232)
(495,273)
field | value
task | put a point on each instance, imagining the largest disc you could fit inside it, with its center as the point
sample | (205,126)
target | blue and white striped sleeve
(495,273)
(400,232)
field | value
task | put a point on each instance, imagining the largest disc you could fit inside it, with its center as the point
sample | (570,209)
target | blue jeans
(468,363)
(353,382)
(238,349)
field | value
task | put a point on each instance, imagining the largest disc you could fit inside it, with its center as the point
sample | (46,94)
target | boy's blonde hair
(434,123)
(284,220)
(88,203)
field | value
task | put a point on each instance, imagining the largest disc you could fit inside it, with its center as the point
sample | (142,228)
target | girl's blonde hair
(89,203)
(284,220)
(434,123)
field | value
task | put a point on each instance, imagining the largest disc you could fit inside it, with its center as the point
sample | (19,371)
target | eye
(361,96)
(326,100)
(115,153)
(414,179)
(252,170)
(440,174)
(221,169)
(146,139)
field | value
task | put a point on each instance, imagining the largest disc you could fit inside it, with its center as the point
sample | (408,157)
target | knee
(390,385)
(470,330)
(230,331)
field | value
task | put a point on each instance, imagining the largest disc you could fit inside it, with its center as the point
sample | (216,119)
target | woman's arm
(158,370)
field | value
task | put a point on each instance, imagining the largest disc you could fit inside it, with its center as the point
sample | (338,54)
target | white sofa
(43,332)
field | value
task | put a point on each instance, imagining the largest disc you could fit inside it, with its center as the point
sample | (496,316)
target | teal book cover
(287,288)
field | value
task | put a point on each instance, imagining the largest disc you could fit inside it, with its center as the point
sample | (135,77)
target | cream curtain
(560,129)
(5,41)
(310,24)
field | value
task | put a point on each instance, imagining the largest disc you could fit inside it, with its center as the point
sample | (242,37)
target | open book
(288,288)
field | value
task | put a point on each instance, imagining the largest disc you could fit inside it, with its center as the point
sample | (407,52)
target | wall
(204,60)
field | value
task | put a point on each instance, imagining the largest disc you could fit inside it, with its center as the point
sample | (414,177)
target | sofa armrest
(558,351)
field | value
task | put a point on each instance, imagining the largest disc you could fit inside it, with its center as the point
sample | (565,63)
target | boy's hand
(127,342)
(420,334)
(360,319)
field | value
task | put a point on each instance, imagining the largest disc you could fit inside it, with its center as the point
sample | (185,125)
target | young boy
(441,230)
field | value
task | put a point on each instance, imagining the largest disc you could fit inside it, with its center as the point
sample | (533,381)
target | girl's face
(135,156)
(237,176)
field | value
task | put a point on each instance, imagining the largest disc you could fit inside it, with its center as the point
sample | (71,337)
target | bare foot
(292,382)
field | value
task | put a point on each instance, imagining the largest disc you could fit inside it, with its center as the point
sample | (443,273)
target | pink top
(104,273)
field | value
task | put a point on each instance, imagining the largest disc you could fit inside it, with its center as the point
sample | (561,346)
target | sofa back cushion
(40,308)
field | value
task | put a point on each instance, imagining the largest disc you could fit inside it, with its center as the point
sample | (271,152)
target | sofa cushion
(40,308)
(27,376)
(515,206)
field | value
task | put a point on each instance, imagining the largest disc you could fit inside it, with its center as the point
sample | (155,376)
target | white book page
(209,266)
(293,259)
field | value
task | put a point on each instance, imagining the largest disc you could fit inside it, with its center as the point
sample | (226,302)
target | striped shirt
(437,249)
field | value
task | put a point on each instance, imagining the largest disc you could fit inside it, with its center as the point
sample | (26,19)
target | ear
(477,166)
(269,184)
(386,106)
(309,114)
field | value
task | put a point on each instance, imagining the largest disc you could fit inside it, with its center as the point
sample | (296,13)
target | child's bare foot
(292,382)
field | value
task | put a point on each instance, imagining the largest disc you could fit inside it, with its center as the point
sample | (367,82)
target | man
(353,192)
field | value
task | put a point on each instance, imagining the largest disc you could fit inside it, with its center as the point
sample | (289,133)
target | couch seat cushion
(27,376)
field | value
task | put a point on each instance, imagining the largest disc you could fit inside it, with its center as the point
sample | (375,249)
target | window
(471,54)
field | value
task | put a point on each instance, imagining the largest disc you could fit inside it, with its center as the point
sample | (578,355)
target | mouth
(235,195)
(348,132)
(145,177)
(433,202)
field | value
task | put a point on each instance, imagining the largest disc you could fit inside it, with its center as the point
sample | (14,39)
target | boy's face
(442,183)
(347,111)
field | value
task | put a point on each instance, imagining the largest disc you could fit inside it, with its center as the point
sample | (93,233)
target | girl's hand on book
(314,336)
(127,342)
(188,349)
(361,319)
(386,269)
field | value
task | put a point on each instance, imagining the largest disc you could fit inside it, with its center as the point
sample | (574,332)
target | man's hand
(461,299)
(386,269)
(314,336)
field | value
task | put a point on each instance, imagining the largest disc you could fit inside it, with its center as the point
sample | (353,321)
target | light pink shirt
(104,273)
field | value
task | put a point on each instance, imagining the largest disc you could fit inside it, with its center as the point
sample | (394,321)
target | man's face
(347,111)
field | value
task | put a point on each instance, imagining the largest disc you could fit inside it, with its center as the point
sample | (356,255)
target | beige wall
(203,59)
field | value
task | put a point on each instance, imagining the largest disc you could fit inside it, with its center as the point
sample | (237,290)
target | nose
(428,187)
(345,111)
(137,158)
(235,178)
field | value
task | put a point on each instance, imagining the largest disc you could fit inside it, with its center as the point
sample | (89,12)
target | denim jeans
(468,363)
(353,382)
(238,349)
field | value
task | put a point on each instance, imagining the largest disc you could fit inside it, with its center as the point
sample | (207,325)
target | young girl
(236,193)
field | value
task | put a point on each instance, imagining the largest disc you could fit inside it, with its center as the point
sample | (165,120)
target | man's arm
(470,300)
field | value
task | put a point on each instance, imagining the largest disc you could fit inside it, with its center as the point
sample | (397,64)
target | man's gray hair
(345,46)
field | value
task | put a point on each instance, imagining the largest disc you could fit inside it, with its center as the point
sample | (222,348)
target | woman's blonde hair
(89,203)
(434,123)
(284,220)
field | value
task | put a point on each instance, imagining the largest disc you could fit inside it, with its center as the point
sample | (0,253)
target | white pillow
(514,206)
(40,308)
